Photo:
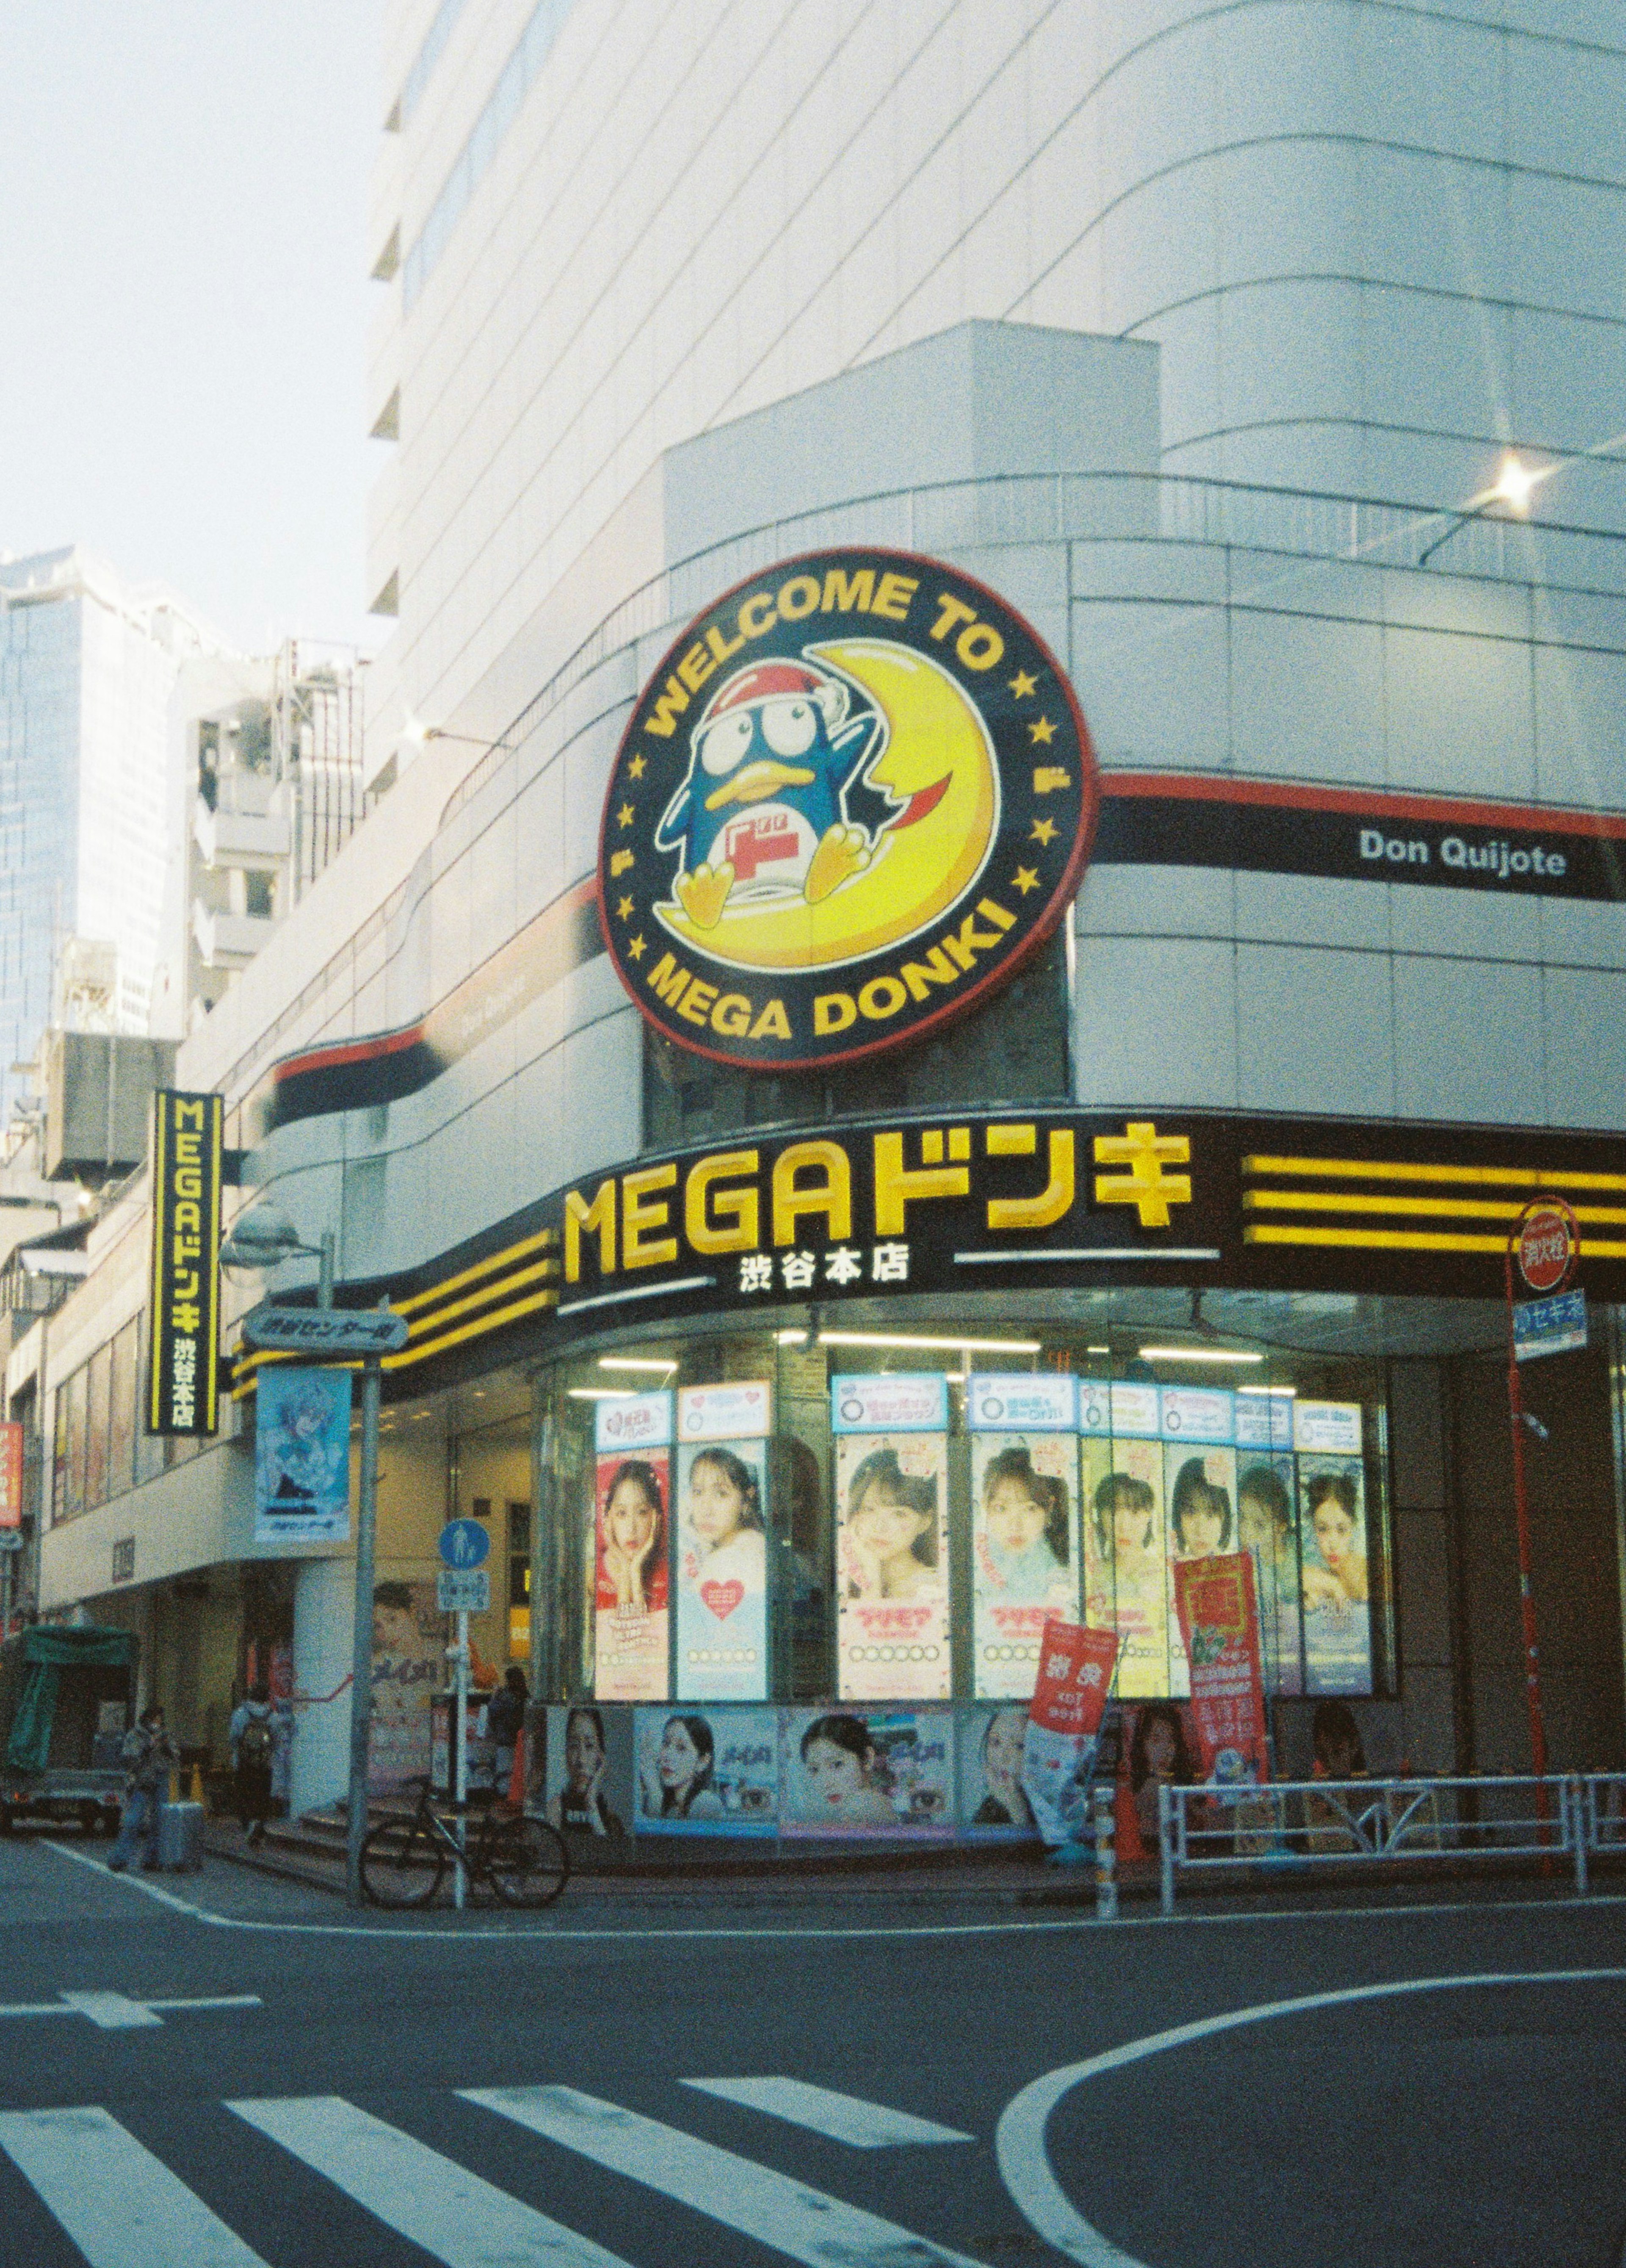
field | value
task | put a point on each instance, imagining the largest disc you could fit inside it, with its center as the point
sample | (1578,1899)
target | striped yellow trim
(1369,1169)
(494,1292)
(519,1251)
(510,1314)
(1466,1208)
(1397,1239)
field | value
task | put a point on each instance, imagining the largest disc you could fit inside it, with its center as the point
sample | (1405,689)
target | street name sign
(1549,1326)
(463,1590)
(340,1333)
(464,1543)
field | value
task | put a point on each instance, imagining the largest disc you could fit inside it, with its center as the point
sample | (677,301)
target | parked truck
(67,1699)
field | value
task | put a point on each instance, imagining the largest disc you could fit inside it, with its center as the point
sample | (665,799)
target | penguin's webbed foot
(703,893)
(843,852)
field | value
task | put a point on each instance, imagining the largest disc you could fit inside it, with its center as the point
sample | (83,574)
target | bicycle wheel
(402,1864)
(528,1862)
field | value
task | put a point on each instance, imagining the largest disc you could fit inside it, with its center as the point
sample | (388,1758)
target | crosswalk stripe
(122,2207)
(843,2117)
(785,2215)
(111,2012)
(458,2218)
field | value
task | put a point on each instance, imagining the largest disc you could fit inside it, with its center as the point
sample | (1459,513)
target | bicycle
(404,1861)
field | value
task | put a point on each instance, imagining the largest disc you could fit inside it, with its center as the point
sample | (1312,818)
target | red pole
(1527,1599)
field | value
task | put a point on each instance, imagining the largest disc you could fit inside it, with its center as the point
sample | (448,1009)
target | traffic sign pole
(459,1763)
(361,1676)
(1546,1240)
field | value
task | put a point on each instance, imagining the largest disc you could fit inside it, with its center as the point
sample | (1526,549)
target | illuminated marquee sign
(855,795)
(184,1293)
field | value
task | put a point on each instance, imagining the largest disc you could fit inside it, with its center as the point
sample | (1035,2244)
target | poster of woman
(892,1565)
(1332,1546)
(1126,1565)
(713,1772)
(993,1804)
(630,1575)
(1265,1527)
(408,1666)
(1199,1488)
(722,1572)
(847,1772)
(587,1779)
(1024,1551)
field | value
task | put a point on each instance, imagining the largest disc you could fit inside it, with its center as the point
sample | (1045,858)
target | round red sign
(1546,1243)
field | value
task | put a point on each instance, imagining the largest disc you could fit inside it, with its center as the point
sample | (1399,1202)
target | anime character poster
(587,1773)
(1266,1527)
(408,1665)
(892,1565)
(1199,1488)
(851,1771)
(302,1456)
(1333,1575)
(993,1803)
(1126,1562)
(711,1771)
(631,1574)
(1024,1552)
(722,1572)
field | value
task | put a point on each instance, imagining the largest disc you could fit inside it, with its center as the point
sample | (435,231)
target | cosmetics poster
(892,1566)
(708,1771)
(1024,1552)
(722,1572)
(1126,1558)
(631,1574)
(1333,1575)
(867,1772)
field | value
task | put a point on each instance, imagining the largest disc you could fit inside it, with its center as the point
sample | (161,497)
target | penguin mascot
(762,812)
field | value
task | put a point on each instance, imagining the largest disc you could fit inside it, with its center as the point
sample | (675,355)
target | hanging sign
(11,1475)
(1547,1244)
(302,1456)
(1004,1402)
(855,795)
(1063,1721)
(184,1290)
(1219,1624)
(633,1421)
(725,1413)
(899,1401)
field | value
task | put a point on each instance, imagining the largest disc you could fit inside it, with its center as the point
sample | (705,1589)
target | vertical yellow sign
(184,1294)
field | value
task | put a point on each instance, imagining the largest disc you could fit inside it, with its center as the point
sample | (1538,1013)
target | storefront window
(888,1511)
(99,1415)
(121,1438)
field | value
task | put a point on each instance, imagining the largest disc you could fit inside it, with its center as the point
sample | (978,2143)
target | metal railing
(1299,1825)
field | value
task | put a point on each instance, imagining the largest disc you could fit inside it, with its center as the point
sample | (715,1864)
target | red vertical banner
(1219,1622)
(1063,1720)
(11,1475)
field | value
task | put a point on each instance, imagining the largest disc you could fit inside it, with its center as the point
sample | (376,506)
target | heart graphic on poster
(722,1598)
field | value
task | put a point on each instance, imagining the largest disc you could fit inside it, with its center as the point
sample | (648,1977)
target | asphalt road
(494,2093)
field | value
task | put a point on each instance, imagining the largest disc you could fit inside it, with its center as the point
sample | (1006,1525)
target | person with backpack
(148,1756)
(253,1731)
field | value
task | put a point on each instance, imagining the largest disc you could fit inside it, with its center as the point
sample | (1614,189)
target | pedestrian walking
(148,1756)
(505,1718)
(253,1732)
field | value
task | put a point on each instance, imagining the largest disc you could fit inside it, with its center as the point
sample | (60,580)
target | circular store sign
(855,795)
(1547,1244)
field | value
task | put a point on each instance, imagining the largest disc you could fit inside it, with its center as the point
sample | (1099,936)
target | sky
(184,299)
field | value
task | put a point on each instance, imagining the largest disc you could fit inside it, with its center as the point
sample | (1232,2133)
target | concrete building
(1183,357)
(87,666)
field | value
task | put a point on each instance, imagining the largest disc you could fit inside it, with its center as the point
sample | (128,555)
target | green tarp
(46,1651)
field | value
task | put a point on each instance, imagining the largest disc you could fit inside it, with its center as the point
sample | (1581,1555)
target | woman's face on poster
(1255,1527)
(884,1526)
(630,1518)
(1130,1523)
(835,1772)
(1334,1531)
(716,1506)
(394,1630)
(583,1753)
(1016,1521)
(1002,1757)
(1160,1747)
(1203,1525)
(679,1760)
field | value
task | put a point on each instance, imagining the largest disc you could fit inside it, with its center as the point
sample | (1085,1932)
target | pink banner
(1219,1622)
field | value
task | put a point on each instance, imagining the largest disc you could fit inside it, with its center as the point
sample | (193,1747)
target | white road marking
(458,2218)
(1018,2141)
(843,2118)
(779,1932)
(122,2207)
(785,2215)
(111,2012)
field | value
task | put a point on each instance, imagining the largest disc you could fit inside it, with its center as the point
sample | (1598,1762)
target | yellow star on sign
(624,817)
(1041,729)
(634,948)
(1044,830)
(1145,1186)
(1022,685)
(636,767)
(623,907)
(1025,880)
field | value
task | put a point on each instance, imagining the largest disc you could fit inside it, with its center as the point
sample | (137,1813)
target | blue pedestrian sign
(464,1543)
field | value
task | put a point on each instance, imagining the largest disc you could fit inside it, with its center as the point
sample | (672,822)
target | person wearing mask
(149,1756)
(252,1734)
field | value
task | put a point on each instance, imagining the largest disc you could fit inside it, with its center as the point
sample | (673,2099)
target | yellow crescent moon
(938,748)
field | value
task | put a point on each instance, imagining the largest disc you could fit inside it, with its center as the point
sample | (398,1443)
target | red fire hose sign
(1546,1243)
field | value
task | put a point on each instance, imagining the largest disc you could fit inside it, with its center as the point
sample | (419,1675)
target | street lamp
(1512,488)
(265,1238)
